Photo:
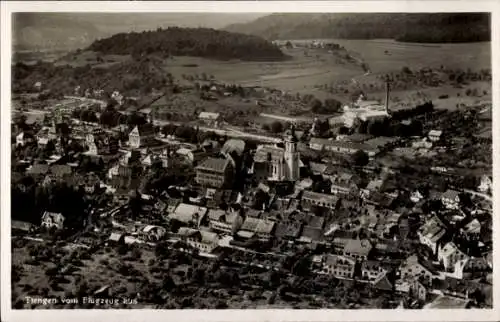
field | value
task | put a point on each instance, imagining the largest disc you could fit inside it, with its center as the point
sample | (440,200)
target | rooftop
(319,197)
(214,164)
(357,246)
(234,145)
(257,225)
(339,260)
(208,115)
(450,194)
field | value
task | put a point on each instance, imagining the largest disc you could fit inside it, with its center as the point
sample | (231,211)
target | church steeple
(291,154)
(290,134)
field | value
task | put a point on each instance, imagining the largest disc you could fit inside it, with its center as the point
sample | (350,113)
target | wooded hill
(198,42)
(408,27)
(132,77)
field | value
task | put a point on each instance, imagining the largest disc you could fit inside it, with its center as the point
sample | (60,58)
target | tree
(316,105)
(406,70)
(277,127)
(360,158)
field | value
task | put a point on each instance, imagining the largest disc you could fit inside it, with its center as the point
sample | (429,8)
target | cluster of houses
(359,223)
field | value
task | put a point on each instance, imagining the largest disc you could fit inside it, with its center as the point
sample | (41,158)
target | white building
(141,135)
(451,199)
(435,135)
(486,184)
(449,255)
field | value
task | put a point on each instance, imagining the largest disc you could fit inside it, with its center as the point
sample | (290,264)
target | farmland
(316,71)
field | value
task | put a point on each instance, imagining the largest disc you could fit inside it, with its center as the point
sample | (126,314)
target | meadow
(310,69)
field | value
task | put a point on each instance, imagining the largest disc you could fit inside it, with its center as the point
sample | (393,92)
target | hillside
(413,27)
(197,42)
(49,30)
(132,77)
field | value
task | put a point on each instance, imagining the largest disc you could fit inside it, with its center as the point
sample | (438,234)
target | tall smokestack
(387,94)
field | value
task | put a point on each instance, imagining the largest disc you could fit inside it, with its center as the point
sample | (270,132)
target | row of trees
(387,128)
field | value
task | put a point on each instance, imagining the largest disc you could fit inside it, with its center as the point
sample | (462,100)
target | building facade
(216,173)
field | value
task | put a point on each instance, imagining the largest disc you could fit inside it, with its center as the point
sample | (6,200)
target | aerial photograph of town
(251,161)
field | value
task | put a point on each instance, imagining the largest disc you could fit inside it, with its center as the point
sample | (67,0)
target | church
(274,163)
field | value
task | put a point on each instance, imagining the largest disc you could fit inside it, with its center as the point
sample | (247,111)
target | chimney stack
(387,94)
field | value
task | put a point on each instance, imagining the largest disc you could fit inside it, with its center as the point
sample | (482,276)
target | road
(230,132)
(479,194)
(91,100)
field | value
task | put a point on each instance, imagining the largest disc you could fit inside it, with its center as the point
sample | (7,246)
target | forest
(407,27)
(197,42)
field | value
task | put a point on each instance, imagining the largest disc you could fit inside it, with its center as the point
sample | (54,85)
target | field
(295,75)
(311,69)
(465,55)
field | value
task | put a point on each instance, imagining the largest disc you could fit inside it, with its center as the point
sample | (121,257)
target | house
(372,187)
(318,168)
(435,135)
(371,270)
(311,198)
(358,249)
(260,228)
(203,241)
(338,266)
(141,135)
(416,268)
(416,196)
(215,172)
(153,233)
(486,184)
(210,119)
(289,230)
(189,214)
(52,220)
(344,184)
(450,254)
(432,233)
(224,222)
(24,138)
(451,199)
